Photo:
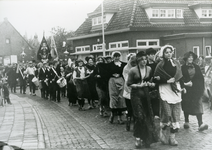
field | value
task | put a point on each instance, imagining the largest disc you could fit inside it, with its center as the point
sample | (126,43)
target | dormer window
(207,13)
(98,20)
(167,13)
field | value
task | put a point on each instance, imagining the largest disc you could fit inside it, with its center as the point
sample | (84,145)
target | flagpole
(103,32)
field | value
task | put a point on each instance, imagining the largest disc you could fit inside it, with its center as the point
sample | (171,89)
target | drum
(62,82)
(35,81)
(40,85)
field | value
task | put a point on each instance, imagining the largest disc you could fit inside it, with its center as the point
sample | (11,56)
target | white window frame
(119,45)
(207,14)
(147,42)
(176,13)
(179,14)
(98,20)
(95,47)
(170,12)
(209,48)
(155,13)
(197,47)
(83,48)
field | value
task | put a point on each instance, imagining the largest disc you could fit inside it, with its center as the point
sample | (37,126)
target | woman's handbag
(62,82)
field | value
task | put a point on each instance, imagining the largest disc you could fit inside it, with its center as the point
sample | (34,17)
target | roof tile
(130,14)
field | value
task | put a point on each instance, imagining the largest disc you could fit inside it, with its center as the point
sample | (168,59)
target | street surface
(34,123)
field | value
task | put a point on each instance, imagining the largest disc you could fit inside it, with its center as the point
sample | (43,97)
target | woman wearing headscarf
(79,76)
(127,90)
(168,74)
(101,76)
(116,84)
(139,80)
(71,88)
(194,84)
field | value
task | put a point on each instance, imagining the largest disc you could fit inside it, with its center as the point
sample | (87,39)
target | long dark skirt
(144,127)
(71,93)
(82,88)
(116,88)
(103,97)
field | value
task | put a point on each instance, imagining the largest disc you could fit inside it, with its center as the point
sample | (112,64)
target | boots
(164,135)
(101,111)
(128,123)
(111,117)
(172,140)
(120,120)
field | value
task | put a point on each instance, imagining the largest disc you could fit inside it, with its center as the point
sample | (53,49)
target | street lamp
(23,54)
(66,54)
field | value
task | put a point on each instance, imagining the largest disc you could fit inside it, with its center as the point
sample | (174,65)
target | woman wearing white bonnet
(116,83)
(168,75)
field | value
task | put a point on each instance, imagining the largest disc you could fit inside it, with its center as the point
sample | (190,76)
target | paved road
(33,123)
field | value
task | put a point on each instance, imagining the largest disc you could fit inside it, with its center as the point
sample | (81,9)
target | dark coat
(191,101)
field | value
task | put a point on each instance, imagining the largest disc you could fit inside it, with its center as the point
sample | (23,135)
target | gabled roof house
(12,44)
(133,25)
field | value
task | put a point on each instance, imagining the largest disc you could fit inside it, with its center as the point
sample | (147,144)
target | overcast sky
(36,16)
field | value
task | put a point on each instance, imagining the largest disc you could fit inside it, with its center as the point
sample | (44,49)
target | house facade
(134,25)
(12,44)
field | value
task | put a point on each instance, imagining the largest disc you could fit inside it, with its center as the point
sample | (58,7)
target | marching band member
(22,76)
(55,75)
(43,79)
(31,72)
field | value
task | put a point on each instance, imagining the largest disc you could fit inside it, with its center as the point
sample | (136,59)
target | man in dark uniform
(55,74)
(43,80)
(12,78)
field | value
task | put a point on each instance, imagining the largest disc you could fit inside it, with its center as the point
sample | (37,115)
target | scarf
(159,71)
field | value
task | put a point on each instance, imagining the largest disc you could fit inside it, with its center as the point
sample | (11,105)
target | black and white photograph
(105,74)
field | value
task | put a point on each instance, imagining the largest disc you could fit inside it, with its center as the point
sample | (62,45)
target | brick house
(12,44)
(133,25)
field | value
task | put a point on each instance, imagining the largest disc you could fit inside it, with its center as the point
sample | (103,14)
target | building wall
(16,42)
(182,45)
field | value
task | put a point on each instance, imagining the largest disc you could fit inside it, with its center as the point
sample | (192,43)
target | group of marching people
(148,86)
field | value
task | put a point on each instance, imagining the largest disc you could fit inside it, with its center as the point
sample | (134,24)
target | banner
(53,51)
(43,53)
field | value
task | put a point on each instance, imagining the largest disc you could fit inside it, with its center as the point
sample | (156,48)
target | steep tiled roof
(130,14)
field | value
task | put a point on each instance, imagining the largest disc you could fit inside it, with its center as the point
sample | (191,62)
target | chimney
(5,19)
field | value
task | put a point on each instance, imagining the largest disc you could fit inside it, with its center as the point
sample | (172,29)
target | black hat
(78,61)
(190,53)
(140,54)
(150,51)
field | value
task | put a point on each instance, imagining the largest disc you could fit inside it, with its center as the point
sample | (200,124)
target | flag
(43,53)
(53,51)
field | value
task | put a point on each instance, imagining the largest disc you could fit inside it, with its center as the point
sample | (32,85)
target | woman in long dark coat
(101,76)
(139,80)
(194,84)
(91,82)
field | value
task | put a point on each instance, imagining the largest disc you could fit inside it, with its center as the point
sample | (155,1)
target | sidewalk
(20,125)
